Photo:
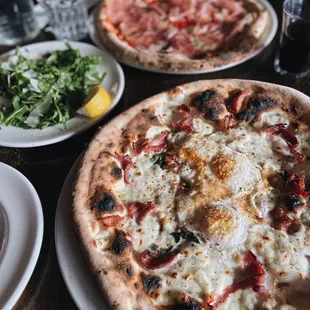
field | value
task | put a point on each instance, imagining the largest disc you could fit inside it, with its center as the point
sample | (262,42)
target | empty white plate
(23,232)
(18,137)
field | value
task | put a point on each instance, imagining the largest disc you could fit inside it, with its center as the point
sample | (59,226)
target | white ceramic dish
(18,137)
(70,259)
(23,233)
(272,30)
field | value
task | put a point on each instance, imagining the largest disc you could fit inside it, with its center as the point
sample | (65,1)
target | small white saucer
(21,234)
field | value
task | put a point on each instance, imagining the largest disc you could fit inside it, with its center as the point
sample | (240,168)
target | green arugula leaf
(64,77)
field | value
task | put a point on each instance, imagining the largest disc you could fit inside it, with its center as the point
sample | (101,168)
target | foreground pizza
(183,35)
(198,199)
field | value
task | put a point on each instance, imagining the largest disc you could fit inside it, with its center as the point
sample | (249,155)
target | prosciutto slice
(289,138)
(154,260)
(147,145)
(127,164)
(139,210)
(111,221)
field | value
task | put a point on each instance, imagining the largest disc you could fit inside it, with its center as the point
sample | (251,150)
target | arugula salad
(42,92)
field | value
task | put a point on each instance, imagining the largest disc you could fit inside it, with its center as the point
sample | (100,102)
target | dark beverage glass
(293,57)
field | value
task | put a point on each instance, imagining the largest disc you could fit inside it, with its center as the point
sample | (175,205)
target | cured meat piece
(184,108)
(227,122)
(147,145)
(281,221)
(139,210)
(111,221)
(296,185)
(182,44)
(236,103)
(289,138)
(117,10)
(184,5)
(205,13)
(232,35)
(126,165)
(275,129)
(185,124)
(154,260)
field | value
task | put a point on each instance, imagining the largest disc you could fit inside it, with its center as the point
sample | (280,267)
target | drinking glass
(17,22)
(68,19)
(293,57)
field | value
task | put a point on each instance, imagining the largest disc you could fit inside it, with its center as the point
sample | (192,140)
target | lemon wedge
(96,103)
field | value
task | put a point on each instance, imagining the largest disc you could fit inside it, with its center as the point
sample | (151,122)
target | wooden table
(46,167)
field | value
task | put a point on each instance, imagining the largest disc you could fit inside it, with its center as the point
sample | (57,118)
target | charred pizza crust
(115,270)
(252,39)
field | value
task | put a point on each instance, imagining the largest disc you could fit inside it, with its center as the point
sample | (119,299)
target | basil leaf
(185,235)
(159,160)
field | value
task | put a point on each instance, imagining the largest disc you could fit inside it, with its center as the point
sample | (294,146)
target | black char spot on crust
(129,271)
(102,202)
(120,243)
(150,283)
(153,119)
(255,107)
(190,305)
(117,172)
(210,103)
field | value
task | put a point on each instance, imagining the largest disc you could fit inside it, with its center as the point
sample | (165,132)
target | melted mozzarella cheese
(202,270)
(264,201)
(283,254)
(243,299)
(148,182)
(273,118)
(227,208)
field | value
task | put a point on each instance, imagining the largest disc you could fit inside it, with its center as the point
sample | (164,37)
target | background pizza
(183,35)
(197,198)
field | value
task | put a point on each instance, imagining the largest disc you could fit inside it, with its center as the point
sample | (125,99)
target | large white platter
(269,35)
(21,214)
(17,137)
(70,259)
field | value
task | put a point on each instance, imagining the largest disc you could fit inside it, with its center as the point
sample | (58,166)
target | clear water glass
(18,22)
(293,57)
(68,19)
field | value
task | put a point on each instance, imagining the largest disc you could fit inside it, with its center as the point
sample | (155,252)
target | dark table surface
(46,167)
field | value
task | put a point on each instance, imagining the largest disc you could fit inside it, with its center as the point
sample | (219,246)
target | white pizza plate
(114,80)
(21,221)
(70,259)
(93,32)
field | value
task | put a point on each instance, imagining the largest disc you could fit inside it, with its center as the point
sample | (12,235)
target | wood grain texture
(46,167)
